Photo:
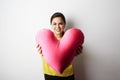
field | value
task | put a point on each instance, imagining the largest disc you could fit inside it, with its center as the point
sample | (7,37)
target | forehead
(57,19)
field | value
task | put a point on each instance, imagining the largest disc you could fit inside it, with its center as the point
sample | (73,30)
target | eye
(61,23)
(54,23)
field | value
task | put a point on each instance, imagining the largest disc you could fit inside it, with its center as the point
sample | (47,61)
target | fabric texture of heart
(59,53)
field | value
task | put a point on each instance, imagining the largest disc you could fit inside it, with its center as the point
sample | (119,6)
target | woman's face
(58,25)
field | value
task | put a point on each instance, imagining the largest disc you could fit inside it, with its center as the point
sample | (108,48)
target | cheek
(54,28)
(62,27)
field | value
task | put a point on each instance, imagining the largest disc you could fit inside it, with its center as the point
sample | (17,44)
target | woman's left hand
(79,50)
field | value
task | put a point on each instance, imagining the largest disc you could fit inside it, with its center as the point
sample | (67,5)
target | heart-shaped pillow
(59,53)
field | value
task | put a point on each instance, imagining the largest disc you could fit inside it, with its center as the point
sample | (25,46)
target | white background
(98,19)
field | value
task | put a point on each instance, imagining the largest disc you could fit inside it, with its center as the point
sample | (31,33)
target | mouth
(58,30)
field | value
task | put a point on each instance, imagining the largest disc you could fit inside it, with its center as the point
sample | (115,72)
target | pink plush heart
(59,53)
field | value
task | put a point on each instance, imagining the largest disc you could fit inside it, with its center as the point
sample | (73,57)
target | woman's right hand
(39,49)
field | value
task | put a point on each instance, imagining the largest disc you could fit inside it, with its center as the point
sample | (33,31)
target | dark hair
(58,14)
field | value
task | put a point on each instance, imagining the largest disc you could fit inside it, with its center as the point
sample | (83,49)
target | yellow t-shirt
(47,69)
(50,71)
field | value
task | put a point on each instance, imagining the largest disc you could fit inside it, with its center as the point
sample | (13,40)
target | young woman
(58,24)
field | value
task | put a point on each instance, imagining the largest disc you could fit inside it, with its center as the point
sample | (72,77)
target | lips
(58,30)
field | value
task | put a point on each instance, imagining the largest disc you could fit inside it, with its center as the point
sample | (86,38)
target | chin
(58,33)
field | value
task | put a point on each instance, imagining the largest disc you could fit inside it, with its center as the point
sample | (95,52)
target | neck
(58,35)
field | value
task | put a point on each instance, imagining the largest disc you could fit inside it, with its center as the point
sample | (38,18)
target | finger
(41,52)
(81,47)
(37,46)
(80,50)
(39,49)
(77,52)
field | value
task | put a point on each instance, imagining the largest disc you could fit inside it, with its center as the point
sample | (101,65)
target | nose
(58,26)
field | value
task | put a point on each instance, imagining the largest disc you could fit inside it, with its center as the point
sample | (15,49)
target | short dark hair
(58,14)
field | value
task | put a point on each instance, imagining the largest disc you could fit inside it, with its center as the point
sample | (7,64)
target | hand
(79,50)
(39,49)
